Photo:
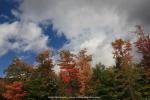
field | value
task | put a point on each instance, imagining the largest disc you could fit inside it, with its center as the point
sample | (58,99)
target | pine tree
(127,74)
(102,82)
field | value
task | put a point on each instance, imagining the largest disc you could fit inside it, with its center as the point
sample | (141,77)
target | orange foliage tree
(14,91)
(85,70)
(45,66)
(121,52)
(2,87)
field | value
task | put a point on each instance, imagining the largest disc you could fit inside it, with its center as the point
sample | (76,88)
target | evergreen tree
(102,82)
(127,75)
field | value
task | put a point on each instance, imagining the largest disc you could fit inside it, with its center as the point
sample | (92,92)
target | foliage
(2,88)
(121,52)
(14,91)
(18,71)
(143,46)
(102,82)
(85,71)
(126,80)
(69,72)
(127,75)
(43,80)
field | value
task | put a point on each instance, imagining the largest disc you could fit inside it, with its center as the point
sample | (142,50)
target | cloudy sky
(29,26)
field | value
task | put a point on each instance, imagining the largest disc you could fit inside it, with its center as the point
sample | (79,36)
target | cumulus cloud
(134,9)
(91,24)
(22,37)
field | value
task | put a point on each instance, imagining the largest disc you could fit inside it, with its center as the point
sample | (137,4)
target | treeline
(77,77)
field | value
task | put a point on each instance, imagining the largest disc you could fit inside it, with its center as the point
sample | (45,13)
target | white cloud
(22,37)
(93,24)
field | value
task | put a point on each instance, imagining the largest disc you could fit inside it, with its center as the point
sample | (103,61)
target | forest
(126,80)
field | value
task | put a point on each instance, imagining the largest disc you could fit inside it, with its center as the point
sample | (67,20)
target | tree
(85,70)
(18,70)
(102,82)
(45,64)
(143,46)
(43,82)
(69,72)
(127,75)
(121,52)
(14,91)
(127,86)
(2,88)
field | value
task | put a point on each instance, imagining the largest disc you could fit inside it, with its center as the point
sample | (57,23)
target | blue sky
(30,26)
(6,16)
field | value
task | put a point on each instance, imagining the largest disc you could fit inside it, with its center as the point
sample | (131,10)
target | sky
(30,26)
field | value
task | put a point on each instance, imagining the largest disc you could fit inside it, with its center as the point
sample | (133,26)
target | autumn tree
(69,72)
(14,91)
(127,75)
(121,52)
(143,45)
(43,82)
(45,64)
(18,70)
(85,70)
(2,88)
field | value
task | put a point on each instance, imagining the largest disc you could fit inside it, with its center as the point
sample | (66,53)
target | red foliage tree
(14,91)
(69,71)
(143,46)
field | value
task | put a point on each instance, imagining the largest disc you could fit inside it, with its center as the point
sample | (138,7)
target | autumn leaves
(76,69)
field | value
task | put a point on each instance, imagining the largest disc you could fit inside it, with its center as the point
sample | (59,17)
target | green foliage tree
(127,86)
(43,82)
(102,82)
